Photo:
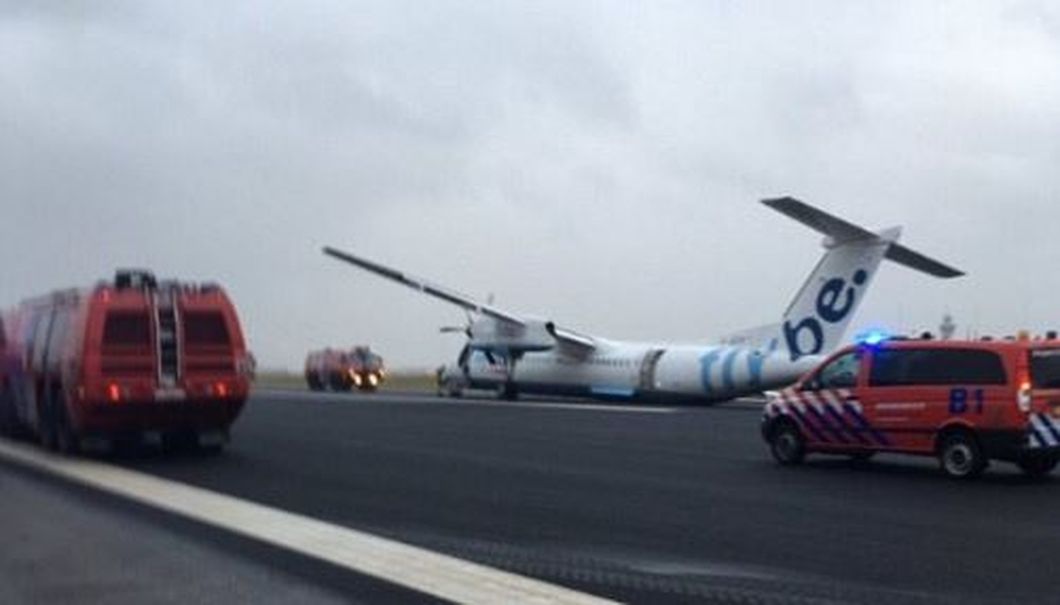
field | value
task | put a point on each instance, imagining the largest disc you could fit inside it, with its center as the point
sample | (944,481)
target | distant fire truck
(340,370)
(122,359)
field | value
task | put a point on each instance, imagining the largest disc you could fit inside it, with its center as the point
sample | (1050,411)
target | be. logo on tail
(835,302)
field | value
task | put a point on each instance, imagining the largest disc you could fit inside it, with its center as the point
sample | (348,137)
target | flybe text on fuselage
(637,370)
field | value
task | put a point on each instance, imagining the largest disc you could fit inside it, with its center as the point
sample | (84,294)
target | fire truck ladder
(169,353)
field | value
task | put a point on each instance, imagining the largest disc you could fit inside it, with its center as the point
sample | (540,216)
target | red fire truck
(323,370)
(124,359)
(343,370)
(964,402)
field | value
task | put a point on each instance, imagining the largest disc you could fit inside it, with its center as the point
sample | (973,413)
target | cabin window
(127,328)
(205,328)
(906,367)
(1045,368)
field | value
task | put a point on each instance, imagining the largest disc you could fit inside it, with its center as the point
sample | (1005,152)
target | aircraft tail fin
(817,319)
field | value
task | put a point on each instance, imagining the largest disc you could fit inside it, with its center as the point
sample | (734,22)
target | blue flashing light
(873,338)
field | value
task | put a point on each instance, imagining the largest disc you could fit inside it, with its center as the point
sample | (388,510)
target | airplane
(515,354)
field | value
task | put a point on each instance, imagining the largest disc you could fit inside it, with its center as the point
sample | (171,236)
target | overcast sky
(598,163)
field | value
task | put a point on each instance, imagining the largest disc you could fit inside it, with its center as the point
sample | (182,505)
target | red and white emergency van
(122,359)
(964,402)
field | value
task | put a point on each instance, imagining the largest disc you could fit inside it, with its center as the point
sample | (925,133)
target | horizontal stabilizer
(841,231)
(915,260)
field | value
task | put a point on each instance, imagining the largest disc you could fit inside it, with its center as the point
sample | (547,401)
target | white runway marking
(580,407)
(421,570)
(389,399)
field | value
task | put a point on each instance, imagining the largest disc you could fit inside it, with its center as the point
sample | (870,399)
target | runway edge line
(409,566)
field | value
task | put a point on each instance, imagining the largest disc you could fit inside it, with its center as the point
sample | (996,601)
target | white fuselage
(639,370)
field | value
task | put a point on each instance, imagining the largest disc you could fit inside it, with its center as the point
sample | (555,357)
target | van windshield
(1045,368)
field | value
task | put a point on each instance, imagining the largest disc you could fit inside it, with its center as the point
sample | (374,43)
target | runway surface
(636,504)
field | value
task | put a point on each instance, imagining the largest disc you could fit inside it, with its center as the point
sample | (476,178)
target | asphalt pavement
(644,505)
(640,504)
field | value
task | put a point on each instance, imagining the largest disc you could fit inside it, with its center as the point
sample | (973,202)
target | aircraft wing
(426,287)
(840,231)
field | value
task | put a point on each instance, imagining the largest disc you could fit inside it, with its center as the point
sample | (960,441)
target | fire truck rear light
(113,393)
(221,389)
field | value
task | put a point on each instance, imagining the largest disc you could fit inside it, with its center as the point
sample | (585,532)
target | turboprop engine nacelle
(494,334)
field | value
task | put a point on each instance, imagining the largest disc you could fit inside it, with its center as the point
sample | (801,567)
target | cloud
(593,162)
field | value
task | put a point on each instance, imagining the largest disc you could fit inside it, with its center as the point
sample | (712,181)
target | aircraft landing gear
(507,391)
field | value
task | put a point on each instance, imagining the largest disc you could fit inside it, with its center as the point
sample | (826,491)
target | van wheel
(209,450)
(787,445)
(960,457)
(1038,466)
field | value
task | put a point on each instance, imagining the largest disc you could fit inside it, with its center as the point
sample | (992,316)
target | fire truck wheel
(960,456)
(66,439)
(787,445)
(861,457)
(46,425)
(7,412)
(1037,467)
